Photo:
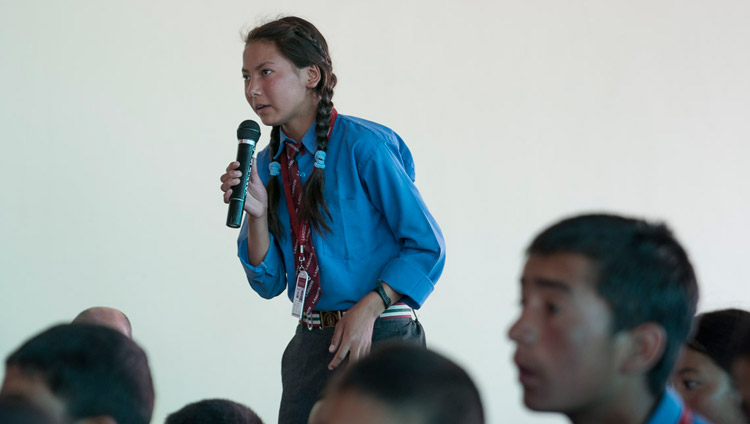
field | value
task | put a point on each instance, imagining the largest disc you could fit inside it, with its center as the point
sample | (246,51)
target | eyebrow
(686,369)
(259,66)
(548,284)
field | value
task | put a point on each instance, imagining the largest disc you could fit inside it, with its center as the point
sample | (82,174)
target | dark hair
(93,369)
(720,335)
(14,410)
(212,411)
(415,380)
(302,44)
(643,273)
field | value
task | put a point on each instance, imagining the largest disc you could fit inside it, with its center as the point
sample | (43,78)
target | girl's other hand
(353,334)
(256,200)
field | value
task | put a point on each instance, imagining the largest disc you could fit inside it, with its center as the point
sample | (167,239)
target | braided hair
(302,44)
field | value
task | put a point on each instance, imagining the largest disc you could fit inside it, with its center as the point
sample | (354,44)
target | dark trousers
(304,365)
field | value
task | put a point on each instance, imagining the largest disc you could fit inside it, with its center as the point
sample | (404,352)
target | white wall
(118,118)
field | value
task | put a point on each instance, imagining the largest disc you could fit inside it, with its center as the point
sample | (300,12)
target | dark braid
(300,42)
(313,194)
(274,188)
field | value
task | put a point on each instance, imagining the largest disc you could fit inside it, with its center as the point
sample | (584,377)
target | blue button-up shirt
(380,226)
(670,409)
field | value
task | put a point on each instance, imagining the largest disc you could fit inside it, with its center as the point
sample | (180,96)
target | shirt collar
(669,408)
(309,140)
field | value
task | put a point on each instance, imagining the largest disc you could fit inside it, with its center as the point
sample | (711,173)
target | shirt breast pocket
(355,230)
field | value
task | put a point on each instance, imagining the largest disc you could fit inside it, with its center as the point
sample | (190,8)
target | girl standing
(333,216)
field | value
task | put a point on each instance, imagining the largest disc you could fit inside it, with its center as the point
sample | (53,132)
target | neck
(297,126)
(632,405)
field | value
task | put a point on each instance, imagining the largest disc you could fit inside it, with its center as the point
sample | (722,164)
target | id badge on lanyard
(301,287)
(304,283)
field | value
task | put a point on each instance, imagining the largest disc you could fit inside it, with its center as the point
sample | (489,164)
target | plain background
(119,117)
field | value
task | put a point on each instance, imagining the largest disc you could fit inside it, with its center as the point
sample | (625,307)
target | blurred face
(741,374)
(279,92)
(706,388)
(353,407)
(566,356)
(33,389)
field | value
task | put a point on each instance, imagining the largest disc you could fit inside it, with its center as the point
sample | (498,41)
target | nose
(252,88)
(522,332)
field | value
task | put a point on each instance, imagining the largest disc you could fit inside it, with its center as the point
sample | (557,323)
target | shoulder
(354,129)
(366,139)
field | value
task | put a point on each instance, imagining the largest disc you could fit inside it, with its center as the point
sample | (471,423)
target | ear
(646,346)
(99,419)
(313,76)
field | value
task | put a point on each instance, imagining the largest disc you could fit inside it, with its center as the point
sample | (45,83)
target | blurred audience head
(704,374)
(109,317)
(82,372)
(15,410)
(400,384)
(741,374)
(214,411)
(607,302)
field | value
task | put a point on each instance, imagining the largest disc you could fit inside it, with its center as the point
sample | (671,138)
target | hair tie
(274,168)
(320,159)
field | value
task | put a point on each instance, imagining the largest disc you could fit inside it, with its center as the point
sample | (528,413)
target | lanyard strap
(685,417)
(301,231)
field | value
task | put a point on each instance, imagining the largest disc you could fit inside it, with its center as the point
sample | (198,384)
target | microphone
(247,135)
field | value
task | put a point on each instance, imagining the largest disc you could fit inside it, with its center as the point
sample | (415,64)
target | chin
(267,122)
(536,403)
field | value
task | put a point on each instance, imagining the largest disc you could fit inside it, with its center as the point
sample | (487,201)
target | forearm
(258,240)
(374,304)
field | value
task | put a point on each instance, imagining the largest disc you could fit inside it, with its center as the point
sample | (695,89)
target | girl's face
(279,92)
(706,388)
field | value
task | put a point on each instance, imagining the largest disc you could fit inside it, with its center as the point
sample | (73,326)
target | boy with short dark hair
(214,411)
(606,303)
(401,384)
(79,372)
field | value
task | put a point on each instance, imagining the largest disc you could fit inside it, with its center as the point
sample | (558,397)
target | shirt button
(302,174)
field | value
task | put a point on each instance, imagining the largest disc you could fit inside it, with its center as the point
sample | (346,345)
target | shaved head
(108,317)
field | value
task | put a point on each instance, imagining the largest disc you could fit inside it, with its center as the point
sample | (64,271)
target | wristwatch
(381,291)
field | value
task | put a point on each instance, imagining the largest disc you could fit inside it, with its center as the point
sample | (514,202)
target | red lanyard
(299,230)
(685,417)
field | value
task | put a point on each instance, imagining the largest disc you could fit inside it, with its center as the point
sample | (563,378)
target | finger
(355,353)
(254,174)
(230,174)
(338,332)
(365,349)
(227,195)
(233,165)
(339,357)
(229,183)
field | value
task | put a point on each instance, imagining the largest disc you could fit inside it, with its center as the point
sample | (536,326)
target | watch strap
(381,291)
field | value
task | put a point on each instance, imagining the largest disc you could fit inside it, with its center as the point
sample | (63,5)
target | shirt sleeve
(390,186)
(268,279)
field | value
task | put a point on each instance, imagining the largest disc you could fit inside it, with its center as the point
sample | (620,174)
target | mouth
(528,376)
(259,108)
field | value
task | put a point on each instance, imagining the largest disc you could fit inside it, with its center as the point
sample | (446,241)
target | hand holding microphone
(240,179)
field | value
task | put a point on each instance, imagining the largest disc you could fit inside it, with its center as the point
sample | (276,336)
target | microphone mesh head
(248,130)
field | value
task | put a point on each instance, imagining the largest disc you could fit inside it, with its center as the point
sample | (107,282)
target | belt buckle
(329,318)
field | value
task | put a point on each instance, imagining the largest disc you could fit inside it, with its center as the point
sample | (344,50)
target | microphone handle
(245,151)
